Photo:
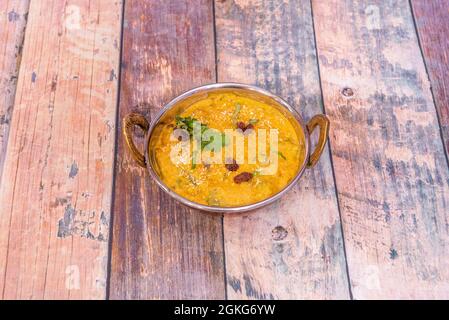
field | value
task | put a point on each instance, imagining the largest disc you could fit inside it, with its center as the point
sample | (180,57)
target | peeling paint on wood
(391,173)
(80,223)
(277,252)
(13,20)
(53,240)
(13,16)
(73,170)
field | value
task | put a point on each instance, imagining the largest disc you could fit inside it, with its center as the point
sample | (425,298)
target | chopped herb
(289,140)
(235,115)
(187,124)
(192,180)
(253,121)
(194,160)
(204,144)
(281,155)
(213,202)
(225,140)
(212,199)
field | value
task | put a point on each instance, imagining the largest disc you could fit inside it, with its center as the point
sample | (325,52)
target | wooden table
(80,220)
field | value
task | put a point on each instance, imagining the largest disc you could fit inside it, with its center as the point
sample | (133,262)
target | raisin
(241,126)
(249,127)
(243,177)
(206,165)
(232,166)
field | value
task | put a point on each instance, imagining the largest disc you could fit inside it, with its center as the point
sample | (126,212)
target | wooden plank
(160,249)
(13,19)
(56,194)
(432,23)
(294,248)
(391,172)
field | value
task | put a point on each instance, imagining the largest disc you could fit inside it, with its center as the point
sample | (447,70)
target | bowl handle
(323,122)
(131,120)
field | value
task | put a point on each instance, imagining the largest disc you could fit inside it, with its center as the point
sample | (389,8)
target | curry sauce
(228,183)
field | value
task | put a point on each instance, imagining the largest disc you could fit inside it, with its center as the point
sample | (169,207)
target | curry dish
(228,183)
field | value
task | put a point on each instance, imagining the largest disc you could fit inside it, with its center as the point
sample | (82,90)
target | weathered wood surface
(13,18)
(391,173)
(432,23)
(160,249)
(294,248)
(57,181)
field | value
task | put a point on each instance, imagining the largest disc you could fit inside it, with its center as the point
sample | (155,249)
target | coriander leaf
(224,140)
(253,121)
(185,123)
(235,115)
(204,143)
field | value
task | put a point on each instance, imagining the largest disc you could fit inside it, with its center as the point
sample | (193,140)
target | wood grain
(160,249)
(391,172)
(56,194)
(294,248)
(13,19)
(432,23)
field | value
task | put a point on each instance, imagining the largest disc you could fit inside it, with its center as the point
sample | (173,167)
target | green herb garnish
(212,199)
(281,155)
(187,123)
(253,121)
(192,180)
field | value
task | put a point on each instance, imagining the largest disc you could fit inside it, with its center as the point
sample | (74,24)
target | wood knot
(279,233)
(347,92)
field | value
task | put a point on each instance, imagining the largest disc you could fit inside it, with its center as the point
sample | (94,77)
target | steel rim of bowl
(239,209)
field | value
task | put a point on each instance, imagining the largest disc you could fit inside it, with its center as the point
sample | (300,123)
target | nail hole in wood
(279,233)
(347,92)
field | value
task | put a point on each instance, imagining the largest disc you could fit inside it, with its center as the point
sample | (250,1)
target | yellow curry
(236,180)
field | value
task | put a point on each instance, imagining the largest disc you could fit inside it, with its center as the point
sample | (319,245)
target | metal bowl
(186,99)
